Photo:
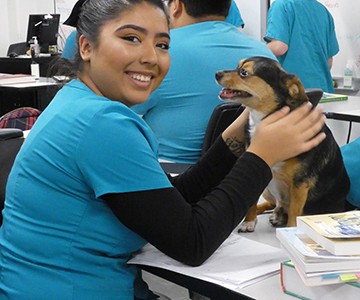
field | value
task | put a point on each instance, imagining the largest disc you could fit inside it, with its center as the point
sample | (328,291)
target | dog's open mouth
(228,94)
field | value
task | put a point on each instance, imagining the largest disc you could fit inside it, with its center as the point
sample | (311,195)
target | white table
(340,111)
(267,289)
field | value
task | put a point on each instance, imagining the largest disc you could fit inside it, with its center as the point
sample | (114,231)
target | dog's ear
(297,94)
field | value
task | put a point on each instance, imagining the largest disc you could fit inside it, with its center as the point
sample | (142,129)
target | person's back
(307,28)
(179,110)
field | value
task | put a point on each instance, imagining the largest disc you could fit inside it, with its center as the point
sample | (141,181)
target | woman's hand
(286,134)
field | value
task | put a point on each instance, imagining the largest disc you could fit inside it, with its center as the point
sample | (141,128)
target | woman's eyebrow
(142,30)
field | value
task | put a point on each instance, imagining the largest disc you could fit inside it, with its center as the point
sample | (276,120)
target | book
(16,78)
(312,257)
(328,97)
(292,284)
(338,233)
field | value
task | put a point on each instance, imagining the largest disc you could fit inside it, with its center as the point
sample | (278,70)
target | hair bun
(72,20)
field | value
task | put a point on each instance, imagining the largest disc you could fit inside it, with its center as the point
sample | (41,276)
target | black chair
(11,140)
(314,95)
(17,49)
(223,115)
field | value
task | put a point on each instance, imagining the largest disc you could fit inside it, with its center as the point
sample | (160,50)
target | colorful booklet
(328,97)
(292,284)
(338,233)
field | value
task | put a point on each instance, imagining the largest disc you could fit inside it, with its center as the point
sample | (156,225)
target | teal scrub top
(70,48)
(59,240)
(351,157)
(308,29)
(234,16)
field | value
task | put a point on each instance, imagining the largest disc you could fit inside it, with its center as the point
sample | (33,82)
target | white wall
(254,14)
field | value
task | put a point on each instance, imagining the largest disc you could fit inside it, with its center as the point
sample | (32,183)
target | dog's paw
(278,218)
(247,226)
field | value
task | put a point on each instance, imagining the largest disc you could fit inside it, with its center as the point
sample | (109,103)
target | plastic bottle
(348,76)
(35,47)
(35,69)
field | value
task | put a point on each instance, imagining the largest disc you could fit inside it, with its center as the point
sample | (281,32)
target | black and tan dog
(311,183)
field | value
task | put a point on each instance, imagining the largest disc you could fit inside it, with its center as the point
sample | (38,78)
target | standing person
(86,190)
(202,43)
(301,33)
(234,16)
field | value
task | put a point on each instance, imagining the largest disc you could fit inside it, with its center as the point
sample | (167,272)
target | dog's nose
(219,75)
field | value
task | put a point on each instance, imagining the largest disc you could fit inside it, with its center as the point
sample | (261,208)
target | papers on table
(237,263)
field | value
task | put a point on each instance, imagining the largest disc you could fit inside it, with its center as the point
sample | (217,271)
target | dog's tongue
(226,93)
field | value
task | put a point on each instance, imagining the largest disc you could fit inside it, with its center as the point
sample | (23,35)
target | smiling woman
(127,62)
(86,190)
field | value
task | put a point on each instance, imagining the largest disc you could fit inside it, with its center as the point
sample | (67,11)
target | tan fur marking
(263,97)
(251,214)
(299,196)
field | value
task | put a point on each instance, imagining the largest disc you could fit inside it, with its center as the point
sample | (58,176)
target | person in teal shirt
(70,48)
(301,33)
(86,190)
(351,157)
(234,16)
(202,43)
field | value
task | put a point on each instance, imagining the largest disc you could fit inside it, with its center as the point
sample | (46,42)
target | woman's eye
(163,46)
(131,38)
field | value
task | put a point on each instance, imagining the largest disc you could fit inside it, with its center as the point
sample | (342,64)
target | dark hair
(91,16)
(203,8)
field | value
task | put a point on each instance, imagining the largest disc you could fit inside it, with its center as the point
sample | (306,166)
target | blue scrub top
(234,16)
(308,29)
(59,240)
(70,48)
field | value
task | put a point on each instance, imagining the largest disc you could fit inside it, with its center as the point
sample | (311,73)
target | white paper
(237,263)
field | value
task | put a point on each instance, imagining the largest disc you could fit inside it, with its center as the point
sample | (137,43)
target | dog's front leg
(249,223)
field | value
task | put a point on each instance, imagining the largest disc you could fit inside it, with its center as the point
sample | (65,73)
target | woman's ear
(85,48)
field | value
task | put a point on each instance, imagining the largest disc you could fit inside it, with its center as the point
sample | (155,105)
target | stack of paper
(237,263)
(6,79)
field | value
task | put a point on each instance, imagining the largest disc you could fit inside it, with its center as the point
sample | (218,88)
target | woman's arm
(191,233)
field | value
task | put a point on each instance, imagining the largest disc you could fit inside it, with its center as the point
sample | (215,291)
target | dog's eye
(243,73)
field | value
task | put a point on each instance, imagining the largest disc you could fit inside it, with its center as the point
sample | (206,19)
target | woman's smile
(142,79)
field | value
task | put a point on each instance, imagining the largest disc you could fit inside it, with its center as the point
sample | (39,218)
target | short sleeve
(234,16)
(119,153)
(278,26)
(333,42)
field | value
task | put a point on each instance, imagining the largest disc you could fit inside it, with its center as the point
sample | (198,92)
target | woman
(86,190)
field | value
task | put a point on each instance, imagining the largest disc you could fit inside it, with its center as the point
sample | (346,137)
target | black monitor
(45,27)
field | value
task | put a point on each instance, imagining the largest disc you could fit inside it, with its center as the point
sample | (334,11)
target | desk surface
(264,233)
(352,104)
(41,82)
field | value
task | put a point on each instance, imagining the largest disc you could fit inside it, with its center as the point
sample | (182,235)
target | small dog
(311,183)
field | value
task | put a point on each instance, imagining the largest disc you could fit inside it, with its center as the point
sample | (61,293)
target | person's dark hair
(203,8)
(90,18)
